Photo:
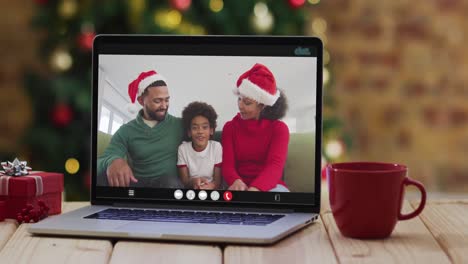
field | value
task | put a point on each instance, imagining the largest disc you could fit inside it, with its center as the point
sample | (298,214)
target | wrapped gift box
(19,191)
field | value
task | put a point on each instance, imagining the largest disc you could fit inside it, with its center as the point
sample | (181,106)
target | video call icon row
(202,195)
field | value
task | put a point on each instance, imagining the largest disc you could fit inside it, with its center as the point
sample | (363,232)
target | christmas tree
(59,139)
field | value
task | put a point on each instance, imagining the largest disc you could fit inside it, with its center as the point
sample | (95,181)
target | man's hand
(253,189)
(238,185)
(119,174)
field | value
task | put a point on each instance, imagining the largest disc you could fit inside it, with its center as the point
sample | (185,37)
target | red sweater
(254,151)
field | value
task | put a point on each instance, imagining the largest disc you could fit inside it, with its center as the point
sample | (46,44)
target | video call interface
(206,128)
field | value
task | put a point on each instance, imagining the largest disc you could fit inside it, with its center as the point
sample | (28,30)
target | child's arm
(184,176)
(184,173)
(217,177)
(215,184)
(188,181)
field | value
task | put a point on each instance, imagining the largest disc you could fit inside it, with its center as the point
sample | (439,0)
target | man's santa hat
(258,84)
(138,86)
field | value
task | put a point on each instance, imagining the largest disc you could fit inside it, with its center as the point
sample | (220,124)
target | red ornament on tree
(85,40)
(181,5)
(62,115)
(295,4)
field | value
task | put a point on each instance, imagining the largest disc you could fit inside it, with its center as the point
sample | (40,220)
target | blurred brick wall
(17,43)
(400,78)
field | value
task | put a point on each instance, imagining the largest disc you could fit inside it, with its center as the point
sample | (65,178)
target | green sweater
(152,152)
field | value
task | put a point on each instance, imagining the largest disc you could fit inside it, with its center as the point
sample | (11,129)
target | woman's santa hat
(258,84)
(138,86)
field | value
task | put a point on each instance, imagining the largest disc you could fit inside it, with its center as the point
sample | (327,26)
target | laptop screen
(203,120)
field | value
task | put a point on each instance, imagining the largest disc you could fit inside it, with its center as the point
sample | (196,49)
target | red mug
(366,197)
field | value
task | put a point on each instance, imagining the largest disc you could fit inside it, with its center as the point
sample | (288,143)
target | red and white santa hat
(258,84)
(138,86)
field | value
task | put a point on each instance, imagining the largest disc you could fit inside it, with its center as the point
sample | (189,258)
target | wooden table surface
(438,235)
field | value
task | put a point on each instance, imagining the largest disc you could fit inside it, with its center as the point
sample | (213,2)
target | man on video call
(148,143)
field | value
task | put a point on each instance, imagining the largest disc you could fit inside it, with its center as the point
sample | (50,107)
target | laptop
(206,69)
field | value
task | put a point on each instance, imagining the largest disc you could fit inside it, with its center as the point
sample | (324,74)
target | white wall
(212,79)
(113,95)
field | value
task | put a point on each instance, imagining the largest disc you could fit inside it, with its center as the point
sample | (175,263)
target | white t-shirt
(150,123)
(200,164)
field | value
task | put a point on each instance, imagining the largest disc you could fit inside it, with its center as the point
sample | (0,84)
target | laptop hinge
(204,208)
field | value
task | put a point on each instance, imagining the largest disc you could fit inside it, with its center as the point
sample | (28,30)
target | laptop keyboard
(186,216)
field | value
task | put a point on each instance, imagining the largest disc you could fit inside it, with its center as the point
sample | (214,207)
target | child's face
(200,131)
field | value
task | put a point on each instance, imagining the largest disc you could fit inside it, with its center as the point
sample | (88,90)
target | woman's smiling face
(248,108)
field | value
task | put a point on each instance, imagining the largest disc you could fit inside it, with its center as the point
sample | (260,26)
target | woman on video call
(255,141)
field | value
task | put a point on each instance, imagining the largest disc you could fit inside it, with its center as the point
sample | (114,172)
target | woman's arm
(270,176)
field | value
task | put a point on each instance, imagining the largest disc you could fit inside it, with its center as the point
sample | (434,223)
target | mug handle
(416,212)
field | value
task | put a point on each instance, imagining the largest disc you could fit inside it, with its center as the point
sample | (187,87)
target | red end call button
(227,196)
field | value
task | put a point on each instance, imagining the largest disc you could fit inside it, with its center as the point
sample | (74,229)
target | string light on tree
(323,38)
(326,76)
(319,26)
(197,30)
(262,19)
(135,11)
(216,5)
(137,6)
(190,29)
(168,19)
(67,8)
(326,57)
(72,165)
(184,28)
(60,60)
(181,5)
(334,149)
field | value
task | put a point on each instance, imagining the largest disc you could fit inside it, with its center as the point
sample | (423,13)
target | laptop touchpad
(152,228)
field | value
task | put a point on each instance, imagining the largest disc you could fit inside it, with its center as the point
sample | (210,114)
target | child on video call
(199,160)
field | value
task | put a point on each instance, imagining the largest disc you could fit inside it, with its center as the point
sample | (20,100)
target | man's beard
(154,116)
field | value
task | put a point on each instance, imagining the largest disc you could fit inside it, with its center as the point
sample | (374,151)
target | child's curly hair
(198,109)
